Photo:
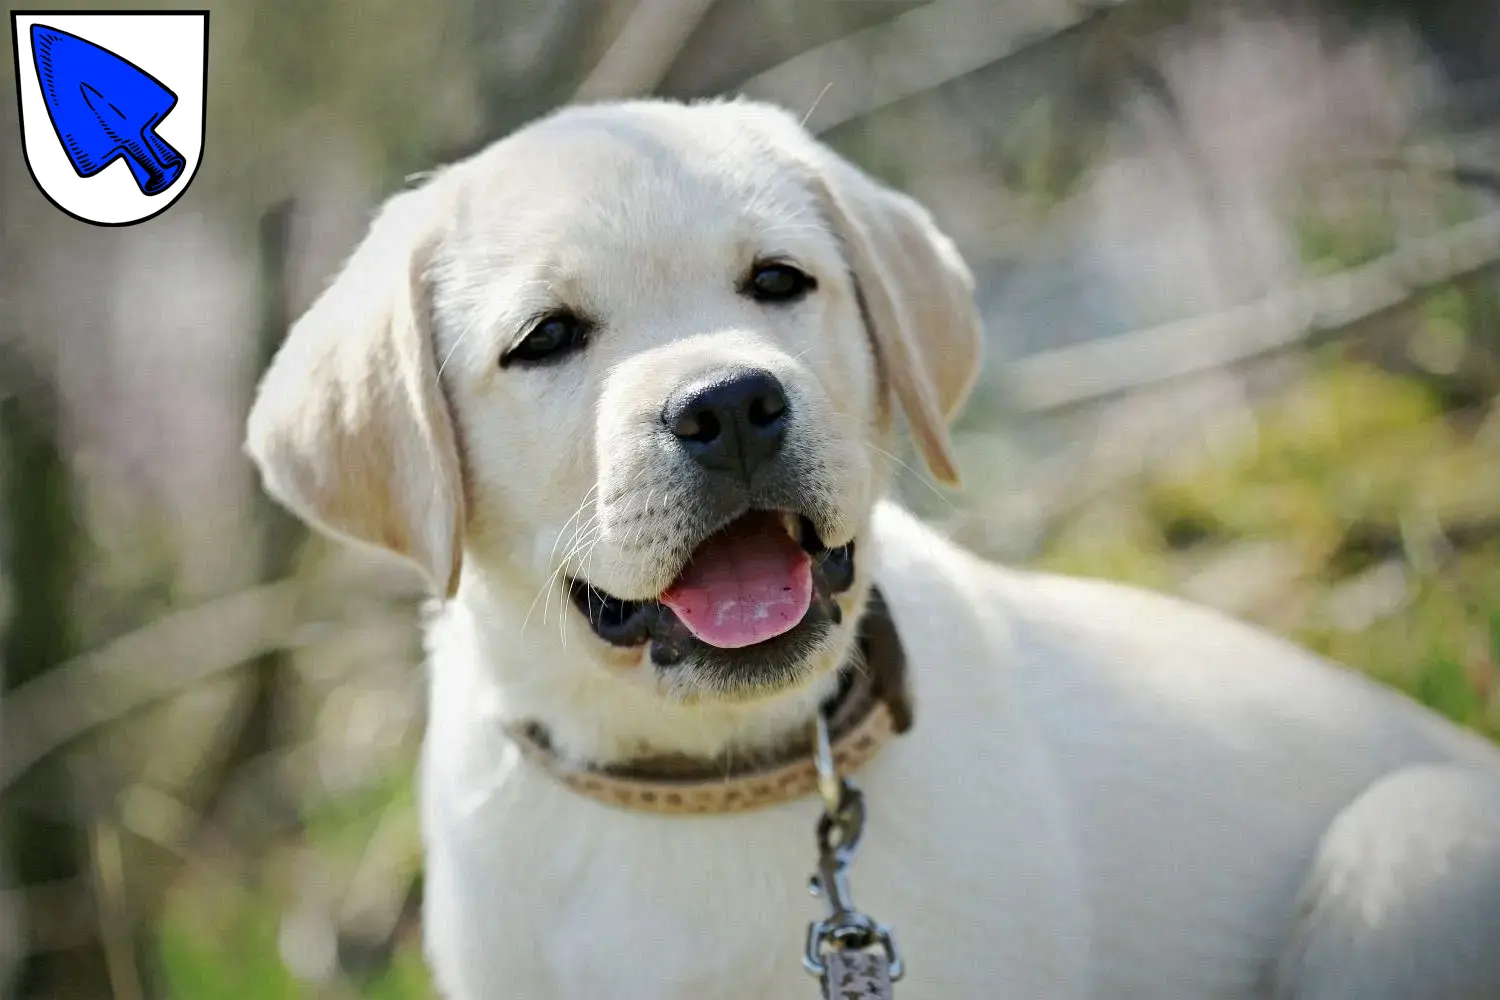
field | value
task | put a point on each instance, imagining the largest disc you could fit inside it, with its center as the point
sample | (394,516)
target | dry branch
(643,52)
(913,52)
(156,661)
(1319,310)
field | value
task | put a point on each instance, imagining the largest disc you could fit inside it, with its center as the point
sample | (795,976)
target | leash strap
(856,975)
(853,955)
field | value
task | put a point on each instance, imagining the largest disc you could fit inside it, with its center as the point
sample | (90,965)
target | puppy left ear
(350,428)
(918,296)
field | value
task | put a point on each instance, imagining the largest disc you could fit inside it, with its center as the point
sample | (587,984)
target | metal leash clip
(851,952)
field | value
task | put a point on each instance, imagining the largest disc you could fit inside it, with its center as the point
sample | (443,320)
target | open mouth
(747,585)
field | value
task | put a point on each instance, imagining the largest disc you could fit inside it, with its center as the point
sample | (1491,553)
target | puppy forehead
(582,190)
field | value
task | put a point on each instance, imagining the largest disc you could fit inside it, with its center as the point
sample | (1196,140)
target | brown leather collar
(871,705)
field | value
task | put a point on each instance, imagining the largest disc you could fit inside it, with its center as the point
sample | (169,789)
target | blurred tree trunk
(247,771)
(529,59)
(47,819)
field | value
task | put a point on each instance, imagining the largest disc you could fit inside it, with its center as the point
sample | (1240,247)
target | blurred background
(1236,262)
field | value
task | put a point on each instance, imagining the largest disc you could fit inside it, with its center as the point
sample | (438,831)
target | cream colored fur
(1107,794)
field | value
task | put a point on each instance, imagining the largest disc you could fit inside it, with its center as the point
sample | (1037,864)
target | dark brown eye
(552,337)
(778,283)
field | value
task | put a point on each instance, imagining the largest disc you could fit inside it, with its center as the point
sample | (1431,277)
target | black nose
(733,422)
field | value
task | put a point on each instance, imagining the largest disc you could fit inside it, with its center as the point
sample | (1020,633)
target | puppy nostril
(766,410)
(702,426)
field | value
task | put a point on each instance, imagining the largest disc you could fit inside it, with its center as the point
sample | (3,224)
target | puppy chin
(790,663)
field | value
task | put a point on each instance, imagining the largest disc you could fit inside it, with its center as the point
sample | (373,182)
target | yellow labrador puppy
(623,386)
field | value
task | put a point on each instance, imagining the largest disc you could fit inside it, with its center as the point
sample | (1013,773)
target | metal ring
(827,932)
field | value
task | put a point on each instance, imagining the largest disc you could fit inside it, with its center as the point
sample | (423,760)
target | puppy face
(644,356)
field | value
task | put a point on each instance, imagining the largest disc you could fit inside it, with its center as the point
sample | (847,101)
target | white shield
(112,109)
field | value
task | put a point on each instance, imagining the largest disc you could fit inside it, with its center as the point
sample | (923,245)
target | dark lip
(638,623)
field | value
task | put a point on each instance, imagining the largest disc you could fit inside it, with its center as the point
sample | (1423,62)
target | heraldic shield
(113,107)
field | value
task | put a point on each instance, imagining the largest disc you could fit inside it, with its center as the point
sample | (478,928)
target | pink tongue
(749,583)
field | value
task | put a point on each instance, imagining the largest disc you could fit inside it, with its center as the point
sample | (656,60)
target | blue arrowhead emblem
(103,108)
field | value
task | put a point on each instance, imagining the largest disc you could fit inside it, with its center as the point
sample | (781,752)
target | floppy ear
(918,298)
(350,428)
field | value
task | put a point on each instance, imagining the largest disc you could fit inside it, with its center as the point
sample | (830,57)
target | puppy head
(645,356)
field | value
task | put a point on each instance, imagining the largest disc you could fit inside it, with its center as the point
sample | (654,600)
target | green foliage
(229,951)
(233,957)
(1445,686)
(343,825)
(1368,487)
(406,979)
(1329,243)
(218,938)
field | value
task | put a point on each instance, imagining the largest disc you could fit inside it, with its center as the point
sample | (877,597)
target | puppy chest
(602,903)
(605,903)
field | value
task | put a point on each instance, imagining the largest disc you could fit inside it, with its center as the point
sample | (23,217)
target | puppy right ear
(918,298)
(350,428)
